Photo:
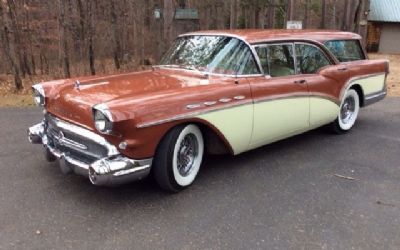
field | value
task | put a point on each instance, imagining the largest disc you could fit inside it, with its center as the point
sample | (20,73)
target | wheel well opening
(360,93)
(213,143)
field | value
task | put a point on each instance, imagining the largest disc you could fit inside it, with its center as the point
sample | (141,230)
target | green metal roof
(188,14)
(385,11)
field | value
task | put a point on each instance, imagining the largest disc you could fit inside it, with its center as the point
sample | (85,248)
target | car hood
(74,103)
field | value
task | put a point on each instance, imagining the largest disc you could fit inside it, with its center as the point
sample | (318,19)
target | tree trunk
(360,20)
(257,12)
(91,33)
(82,30)
(289,10)
(306,14)
(233,20)
(21,50)
(63,40)
(33,62)
(9,50)
(10,53)
(91,57)
(168,16)
(346,15)
(323,15)
(117,43)
(271,15)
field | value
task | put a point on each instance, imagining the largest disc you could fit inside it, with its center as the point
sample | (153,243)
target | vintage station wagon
(214,92)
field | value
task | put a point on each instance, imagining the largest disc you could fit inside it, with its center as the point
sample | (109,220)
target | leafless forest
(66,38)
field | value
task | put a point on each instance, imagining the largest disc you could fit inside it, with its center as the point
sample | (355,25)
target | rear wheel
(348,114)
(178,158)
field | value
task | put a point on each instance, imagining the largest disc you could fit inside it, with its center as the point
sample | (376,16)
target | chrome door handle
(300,81)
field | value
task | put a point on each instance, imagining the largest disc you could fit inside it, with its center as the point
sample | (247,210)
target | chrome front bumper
(110,170)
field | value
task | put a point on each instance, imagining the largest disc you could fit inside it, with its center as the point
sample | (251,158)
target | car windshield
(211,54)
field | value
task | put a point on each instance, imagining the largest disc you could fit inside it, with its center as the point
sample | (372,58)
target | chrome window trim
(322,46)
(325,52)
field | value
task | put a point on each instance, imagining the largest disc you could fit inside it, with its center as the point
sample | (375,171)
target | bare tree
(9,49)
(63,40)
(90,34)
(290,10)
(233,14)
(323,14)
(360,19)
(306,14)
(126,33)
(16,28)
(117,43)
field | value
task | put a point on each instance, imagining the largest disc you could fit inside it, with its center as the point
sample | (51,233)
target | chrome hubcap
(348,109)
(187,154)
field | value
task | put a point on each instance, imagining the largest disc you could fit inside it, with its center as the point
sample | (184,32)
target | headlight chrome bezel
(102,118)
(38,95)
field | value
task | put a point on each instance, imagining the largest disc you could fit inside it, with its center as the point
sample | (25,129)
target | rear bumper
(374,97)
(113,169)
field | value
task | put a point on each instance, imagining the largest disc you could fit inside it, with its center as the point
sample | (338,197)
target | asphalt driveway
(288,195)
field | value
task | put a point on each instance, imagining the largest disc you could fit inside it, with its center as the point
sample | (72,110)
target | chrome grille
(73,145)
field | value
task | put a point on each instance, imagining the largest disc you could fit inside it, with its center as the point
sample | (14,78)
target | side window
(262,53)
(310,59)
(346,50)
(280,60)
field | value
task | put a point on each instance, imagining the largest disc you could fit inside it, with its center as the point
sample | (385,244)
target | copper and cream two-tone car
(213,92)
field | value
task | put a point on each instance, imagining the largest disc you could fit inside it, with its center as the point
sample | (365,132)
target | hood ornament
(77,84)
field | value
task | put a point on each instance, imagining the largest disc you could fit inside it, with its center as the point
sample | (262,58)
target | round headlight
(38,95)
(101,122)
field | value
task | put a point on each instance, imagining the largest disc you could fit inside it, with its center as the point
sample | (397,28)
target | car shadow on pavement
(214,168)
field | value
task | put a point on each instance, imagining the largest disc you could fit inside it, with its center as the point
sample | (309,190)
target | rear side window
(310,59)
(346,50)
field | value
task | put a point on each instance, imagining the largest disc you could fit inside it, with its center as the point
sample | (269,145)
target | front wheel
(348,114)
(178,158)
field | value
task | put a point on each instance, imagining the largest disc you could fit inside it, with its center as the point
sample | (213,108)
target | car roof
(253,36)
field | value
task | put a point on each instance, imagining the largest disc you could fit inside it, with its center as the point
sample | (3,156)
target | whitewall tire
(348,113)
(178,158)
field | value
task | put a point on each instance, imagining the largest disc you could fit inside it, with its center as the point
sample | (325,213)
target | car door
(281,97)
(312,63)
